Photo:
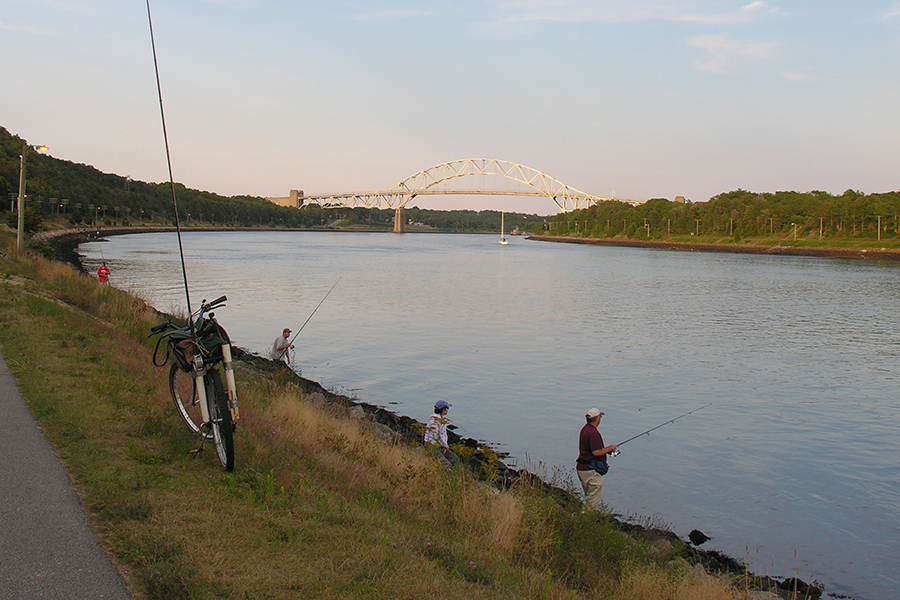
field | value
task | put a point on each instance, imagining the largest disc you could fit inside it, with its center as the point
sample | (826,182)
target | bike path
(48,549)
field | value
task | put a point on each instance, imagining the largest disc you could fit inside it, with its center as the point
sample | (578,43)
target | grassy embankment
(318,506)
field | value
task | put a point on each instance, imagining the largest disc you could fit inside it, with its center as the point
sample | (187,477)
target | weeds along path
(319,505)
(20,283)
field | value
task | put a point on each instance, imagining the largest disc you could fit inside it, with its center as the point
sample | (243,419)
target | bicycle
(202,349)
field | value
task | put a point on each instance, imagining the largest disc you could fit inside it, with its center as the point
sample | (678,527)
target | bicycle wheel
(220,419)
(187,401)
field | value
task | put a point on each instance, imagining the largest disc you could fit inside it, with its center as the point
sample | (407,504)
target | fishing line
(162,115)
(308,318)
(662,424)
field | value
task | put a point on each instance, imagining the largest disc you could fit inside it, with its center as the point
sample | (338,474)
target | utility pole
(20,230)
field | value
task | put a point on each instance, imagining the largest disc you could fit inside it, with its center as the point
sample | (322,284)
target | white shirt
(276,354)
(436,431)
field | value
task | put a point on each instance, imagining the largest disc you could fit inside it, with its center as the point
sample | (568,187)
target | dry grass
(650,582)
(360,463)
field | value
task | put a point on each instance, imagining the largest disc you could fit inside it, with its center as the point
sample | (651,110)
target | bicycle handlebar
(160,328)
(204,308)
(215,302)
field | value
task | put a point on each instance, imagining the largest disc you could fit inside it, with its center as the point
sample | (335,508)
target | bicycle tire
(184,394)
(220,419)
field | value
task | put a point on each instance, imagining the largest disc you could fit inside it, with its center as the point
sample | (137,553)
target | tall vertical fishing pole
(162,115)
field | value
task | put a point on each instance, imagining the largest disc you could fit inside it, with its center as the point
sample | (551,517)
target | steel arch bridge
(425,183)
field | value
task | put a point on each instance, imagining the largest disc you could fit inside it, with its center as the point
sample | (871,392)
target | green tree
(34,218)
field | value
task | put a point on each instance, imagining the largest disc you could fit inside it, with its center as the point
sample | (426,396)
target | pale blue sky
(637,98)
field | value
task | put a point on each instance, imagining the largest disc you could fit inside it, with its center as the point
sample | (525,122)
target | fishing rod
(162,114)
(662,424)
(308,318)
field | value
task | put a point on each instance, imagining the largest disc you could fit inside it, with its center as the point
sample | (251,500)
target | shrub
(41,247)
(34,217)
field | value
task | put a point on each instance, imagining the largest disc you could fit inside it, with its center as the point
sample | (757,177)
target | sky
(635,99)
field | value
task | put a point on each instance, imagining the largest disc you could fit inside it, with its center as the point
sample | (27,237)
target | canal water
(793,468)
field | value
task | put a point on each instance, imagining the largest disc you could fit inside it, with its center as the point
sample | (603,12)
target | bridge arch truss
(425,182)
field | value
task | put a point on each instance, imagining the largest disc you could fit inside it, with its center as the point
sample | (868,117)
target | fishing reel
(614,453)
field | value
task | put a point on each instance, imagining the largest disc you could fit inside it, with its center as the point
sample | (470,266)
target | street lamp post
(20,230)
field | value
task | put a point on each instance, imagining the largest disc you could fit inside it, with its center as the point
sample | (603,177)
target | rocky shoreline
(406,430)
(736,248)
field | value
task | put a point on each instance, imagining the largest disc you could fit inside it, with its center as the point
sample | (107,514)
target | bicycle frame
(199,346)
(199,365)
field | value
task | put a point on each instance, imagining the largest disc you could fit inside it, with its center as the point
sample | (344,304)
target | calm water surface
(798,452)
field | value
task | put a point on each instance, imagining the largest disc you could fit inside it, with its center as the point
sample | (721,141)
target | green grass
(318,506)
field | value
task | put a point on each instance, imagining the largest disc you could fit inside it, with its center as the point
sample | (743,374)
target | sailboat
(503,241)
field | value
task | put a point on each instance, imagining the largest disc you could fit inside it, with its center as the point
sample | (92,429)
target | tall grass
(321,505)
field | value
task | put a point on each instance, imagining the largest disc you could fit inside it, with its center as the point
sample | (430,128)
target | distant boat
(503,241)
(515,231)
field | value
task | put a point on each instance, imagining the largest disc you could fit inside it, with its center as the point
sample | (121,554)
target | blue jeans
(445,454)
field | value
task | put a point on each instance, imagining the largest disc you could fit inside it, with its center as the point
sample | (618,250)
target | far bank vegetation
(786,218)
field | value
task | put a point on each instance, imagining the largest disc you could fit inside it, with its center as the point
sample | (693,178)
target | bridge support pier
(398,220)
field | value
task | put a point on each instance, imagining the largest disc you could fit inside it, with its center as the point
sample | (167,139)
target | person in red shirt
(103,273)
(591,448)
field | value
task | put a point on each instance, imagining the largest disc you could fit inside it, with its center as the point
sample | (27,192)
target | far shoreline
(65,242)
(891,254)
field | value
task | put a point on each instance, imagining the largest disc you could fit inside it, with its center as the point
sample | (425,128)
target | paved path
(48,549)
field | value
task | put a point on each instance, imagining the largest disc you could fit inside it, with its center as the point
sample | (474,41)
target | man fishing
(591,457)
(281,347)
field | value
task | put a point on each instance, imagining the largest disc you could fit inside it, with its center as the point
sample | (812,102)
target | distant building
(292,200)
(679,199)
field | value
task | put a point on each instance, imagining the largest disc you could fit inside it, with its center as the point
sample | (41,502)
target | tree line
(83,195)
(740,214)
